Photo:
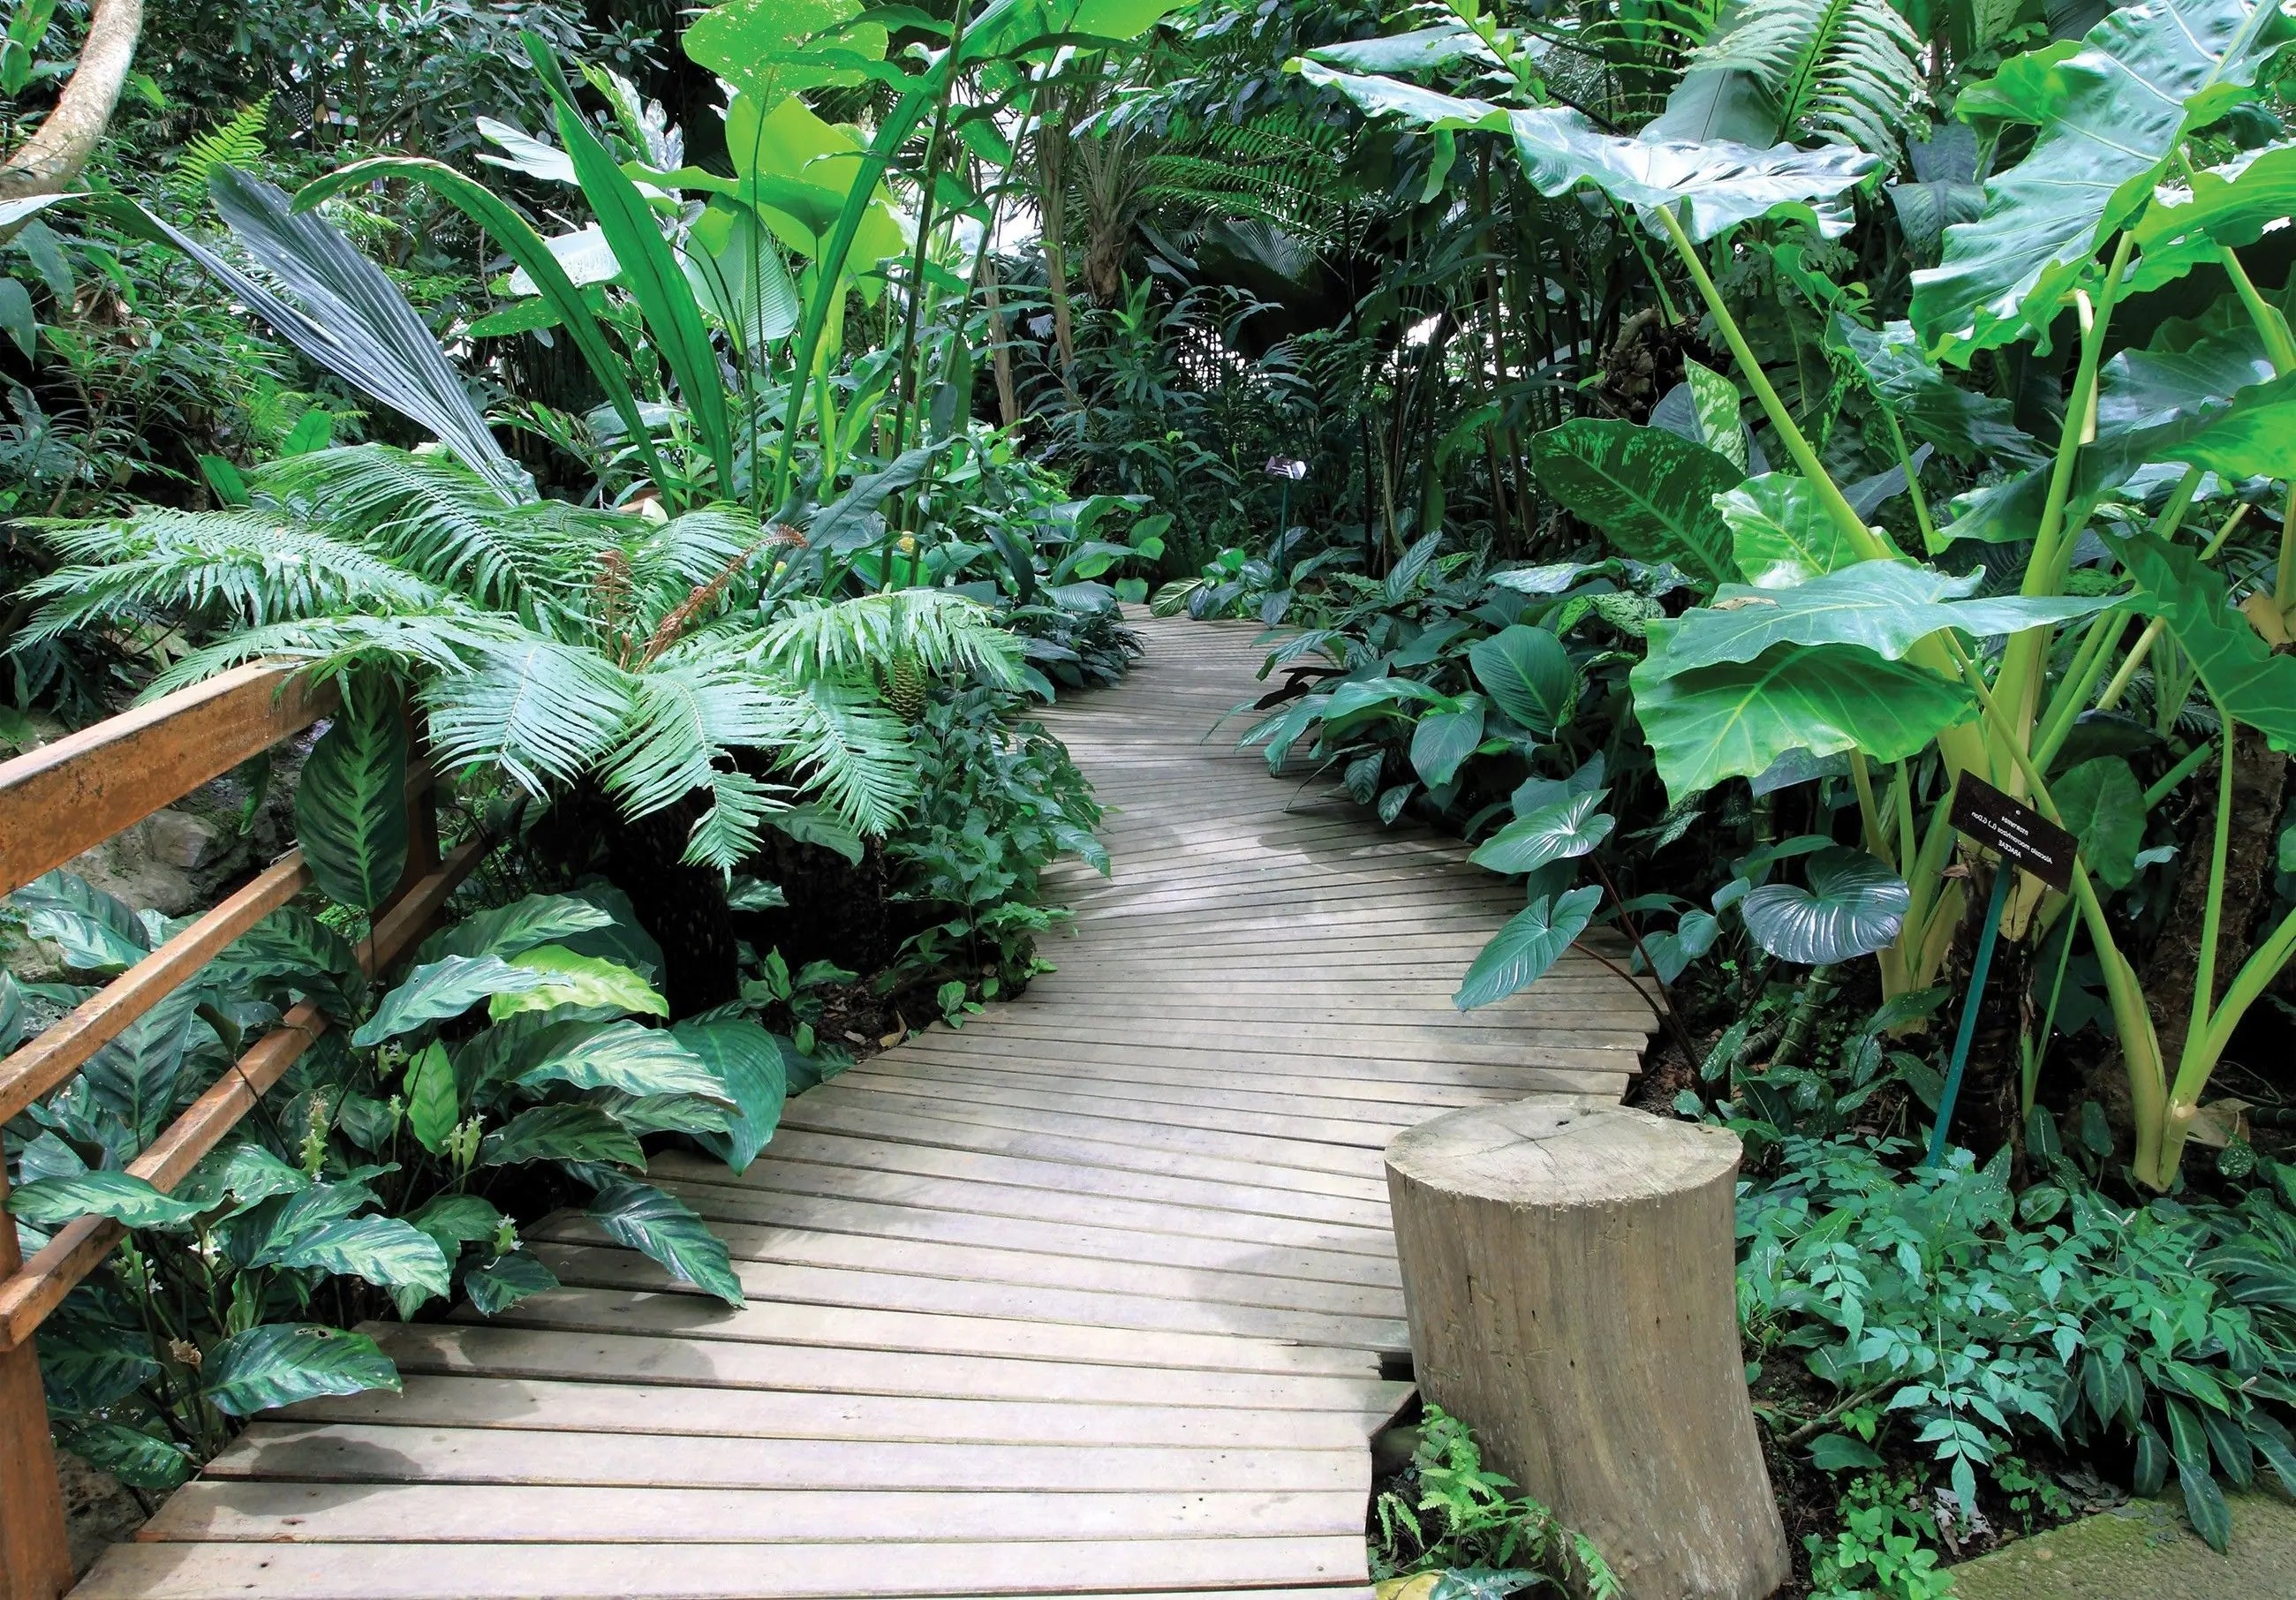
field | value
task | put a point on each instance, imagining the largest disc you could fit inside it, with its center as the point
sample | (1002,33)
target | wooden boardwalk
(1095,1296)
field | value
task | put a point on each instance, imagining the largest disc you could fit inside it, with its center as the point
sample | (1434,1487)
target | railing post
(34,1559)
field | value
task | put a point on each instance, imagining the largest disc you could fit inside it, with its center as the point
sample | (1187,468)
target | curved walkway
(1092,1296)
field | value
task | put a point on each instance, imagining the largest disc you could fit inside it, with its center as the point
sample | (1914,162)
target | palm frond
(544,711)
(254,567)
(438,518)
(853,639)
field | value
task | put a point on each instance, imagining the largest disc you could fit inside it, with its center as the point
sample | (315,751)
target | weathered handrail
(55,802)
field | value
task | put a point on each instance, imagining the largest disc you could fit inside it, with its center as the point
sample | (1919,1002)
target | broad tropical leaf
(509,1278)
(568,978)
(1520,953)
(1555,831)
(1927,405)
(637,1060)
(1780,534)
(350,803)
(1444,739)
(128,1200)
(278,1364)
(748,1061)
(512,930)
(1527,674)
(1853,905)
(2253,684)
(431,1108)
(2111,115)
(1651,492)
(443,988)
(1885,606)
(1736,719)
(645,1219)
(385,1250)
(2103,806)
(561,1133)
(95,931)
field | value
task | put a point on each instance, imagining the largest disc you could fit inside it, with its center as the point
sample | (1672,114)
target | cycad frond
(857,753)
(849,639)
(446,643)
(1848,71)
(437,517)
(688,712)
(545,712)
(253,566)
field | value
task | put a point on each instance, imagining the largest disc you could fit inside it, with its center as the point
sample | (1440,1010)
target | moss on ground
(2144,1548)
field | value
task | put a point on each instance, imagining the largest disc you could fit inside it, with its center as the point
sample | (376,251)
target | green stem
(1930,542)
(2191,763)
(2073,693)
(1877,838)
(2204,982)
(2038,1052)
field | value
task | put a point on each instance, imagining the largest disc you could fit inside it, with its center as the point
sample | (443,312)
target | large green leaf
(644,1219)
(637,1060)
(775,47)
(1885,606)
(2253,685)
(2103,806)
(498,1284)
(384,1251)
(443,988)
(128,1200)
(1520,953)
(1651,492)
(2232,205)
(1929,405)
(1527,674)
(1734,720)
(351,803)
(1443,740)
(431,1108)
(1714,185)
(569,978)
(1780,533)
(651,272)
(138,1076)
(561,1133)
(293,950)
(278,1364)
(95,931)
(1854,906)
(1557,832)
(748,1061)
(512,930)
(2111,115)
(136,1458)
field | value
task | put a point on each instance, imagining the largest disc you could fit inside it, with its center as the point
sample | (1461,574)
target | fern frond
(727,834)
(436,516)
(253,567)
(238,142)
(852,639)
(545,712)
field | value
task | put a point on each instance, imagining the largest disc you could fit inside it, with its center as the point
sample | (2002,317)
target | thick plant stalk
(51,159)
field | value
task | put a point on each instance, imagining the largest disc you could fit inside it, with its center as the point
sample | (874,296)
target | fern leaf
(238,142)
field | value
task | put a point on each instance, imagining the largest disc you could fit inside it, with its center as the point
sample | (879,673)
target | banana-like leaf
(1780,534)
(278,1364)
(1885,606)
(747,1060)
(1520,953)
(561,1133)
(1853,905)
(2112,116)
(1736,719)
(1527,673)
(517,241)
(1713,185)
(637,1060)
(443,988)
(645,1219)
(340,310)
(1651,492)
(650,270)
(1559,830)
(350,803)
(2253,684)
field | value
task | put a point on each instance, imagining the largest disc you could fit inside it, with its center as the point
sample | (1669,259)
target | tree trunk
(1052,144)
(1571,1277)
(52,157)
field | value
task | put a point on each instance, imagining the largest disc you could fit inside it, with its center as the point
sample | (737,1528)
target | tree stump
(1571,1275)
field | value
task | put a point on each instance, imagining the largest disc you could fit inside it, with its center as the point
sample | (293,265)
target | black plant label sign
(2014,831)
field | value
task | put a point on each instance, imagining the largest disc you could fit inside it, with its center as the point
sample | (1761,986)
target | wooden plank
(693,1571)
(487,1513)
(72,795)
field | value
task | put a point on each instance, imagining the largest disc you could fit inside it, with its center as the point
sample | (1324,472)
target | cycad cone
(904,688)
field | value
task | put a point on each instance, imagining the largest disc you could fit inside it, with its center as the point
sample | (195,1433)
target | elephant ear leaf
(1854,906)
(351,804)
(2103,806)
(2246,678)
(1649,491)
(2111,115)
(1520,953)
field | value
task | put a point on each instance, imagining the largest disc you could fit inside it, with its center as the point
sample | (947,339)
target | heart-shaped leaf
(2103,806)
(1533,940)
(1854,906)
(1555,831)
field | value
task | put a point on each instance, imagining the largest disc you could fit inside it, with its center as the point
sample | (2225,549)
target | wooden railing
(55,802)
